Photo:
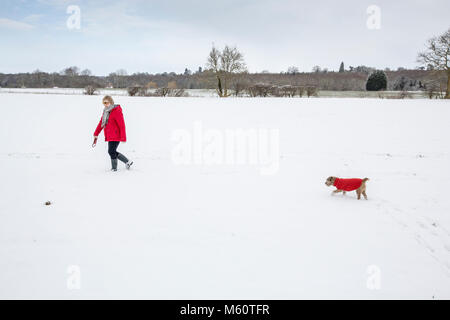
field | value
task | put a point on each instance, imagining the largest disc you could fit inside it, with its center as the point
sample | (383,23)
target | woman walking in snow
(114,125)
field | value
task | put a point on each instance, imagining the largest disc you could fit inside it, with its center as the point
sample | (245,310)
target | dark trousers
(112,149)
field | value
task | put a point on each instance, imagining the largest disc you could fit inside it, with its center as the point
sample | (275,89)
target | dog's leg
(336,191)
(344,192)
(358,192)
(364,194)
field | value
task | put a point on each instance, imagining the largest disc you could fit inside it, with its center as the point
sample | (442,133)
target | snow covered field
(168,231)
(102,91)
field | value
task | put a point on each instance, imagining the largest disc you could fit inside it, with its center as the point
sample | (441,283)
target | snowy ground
(173,231)
(104,91)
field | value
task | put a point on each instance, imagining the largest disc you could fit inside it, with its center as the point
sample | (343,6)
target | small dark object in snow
(388,154)
(420,156)
(47,203)
(434,224)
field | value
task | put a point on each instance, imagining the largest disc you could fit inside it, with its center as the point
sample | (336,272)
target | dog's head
(330,181)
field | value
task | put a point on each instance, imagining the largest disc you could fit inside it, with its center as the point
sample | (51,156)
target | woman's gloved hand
(95,142)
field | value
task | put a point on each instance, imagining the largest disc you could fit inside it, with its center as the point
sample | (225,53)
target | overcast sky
(170,35)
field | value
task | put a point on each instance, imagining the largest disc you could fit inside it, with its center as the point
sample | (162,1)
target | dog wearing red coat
(344,185)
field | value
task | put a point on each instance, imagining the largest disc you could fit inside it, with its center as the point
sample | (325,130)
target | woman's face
(106,103)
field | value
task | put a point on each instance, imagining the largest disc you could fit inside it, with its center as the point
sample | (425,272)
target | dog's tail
(365,179)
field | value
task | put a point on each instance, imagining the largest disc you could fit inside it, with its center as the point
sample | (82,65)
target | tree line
(226,73)
(403,79)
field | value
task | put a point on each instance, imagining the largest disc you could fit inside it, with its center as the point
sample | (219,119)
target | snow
(102,91)
(56,90)
(168,231)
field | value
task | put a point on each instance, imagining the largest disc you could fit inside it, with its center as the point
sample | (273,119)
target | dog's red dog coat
(347,184)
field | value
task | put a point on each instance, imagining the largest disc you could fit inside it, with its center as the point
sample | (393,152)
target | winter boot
(124,159)
(113,164)
(128,164)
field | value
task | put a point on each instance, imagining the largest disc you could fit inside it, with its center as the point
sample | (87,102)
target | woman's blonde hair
(109,99)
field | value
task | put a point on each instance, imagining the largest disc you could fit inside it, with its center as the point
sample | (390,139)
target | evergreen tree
(341,68)
(376,81)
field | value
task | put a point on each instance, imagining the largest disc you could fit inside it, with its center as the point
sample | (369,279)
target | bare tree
(142,91)
(169,92)
(301,91)
(122,72)
(239,87)
(288,91)
(263,90)
(437,55)
(86,72)
(292,70)
(311,91)
(71,71)
(132,91)
(90,90)
(433,89)
(162,92)
(120,78)
(224,65)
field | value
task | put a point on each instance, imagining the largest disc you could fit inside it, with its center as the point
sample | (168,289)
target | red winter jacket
(115,128)
(347,184)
